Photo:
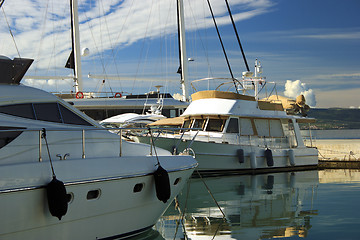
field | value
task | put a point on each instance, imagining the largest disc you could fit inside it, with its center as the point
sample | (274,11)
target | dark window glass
(7,137)
(19,110)
(215,125)
(47,112)
(177,180)
(199,123)
(233,126)
(138,187)
(93,194)
(71,118)
(186,124)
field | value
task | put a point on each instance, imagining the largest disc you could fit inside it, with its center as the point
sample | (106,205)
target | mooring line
(212,196)
(177,205)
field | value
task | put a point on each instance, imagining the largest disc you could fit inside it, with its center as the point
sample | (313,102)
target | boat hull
(217,157)
(120,210)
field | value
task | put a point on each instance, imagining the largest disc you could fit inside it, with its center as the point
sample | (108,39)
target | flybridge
(12,71)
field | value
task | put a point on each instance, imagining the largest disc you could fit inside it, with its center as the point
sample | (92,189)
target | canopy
(177,121)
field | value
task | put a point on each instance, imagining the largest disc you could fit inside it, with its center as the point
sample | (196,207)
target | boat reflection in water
(254,207)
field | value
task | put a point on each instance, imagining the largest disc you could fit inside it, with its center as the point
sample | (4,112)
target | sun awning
(177,121)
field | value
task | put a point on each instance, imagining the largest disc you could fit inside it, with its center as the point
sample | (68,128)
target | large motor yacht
(240,132)
(64,176)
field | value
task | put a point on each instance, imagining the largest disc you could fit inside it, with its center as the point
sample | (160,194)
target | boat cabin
(233,129)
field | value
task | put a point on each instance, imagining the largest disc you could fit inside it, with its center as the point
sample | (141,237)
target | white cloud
(42,29)
(338,75)
(296,88)
(43,84)
(351,35)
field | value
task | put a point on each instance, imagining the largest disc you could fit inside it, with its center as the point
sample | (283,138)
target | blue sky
(314,41)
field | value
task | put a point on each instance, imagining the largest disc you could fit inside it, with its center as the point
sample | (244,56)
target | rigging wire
(237,36)
(12,36)
(222,45)
(1,3)
(205,48)
(111,46)
(143,44)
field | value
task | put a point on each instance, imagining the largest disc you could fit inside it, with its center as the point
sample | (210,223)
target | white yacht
(63,176)
(239,132)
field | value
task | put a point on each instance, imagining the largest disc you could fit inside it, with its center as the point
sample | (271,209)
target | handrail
(212,78)
(83,130)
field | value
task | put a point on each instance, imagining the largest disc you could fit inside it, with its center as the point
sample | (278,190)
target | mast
(75,34)
(182,45)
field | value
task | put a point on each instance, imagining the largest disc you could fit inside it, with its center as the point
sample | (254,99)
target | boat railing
(177,134)
(79,95)
(244,85)
(223,82)
(43,131)
(244,140)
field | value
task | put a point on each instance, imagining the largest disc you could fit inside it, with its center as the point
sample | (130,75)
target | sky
(309,47)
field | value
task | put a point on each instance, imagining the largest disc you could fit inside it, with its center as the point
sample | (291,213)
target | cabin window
(292,136)
(47,112)
(276,128)
(262,127)
(246,127)
(187,124)
(172,113)
(19,110)
(51,112)
(233,126)
(215,125)
(71,118)
(199,123)
(7,137)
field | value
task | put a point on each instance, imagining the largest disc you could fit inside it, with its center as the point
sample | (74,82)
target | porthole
(177,181)
(138,187)
(93,194)
(69,197)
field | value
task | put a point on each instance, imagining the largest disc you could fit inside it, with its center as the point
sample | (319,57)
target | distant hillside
(335,118)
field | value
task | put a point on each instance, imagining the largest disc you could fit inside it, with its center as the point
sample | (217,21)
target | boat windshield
(51,112)
(199,123)
(215,125)
(187,124)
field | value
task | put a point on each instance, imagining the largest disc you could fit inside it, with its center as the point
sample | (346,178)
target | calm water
(312,204)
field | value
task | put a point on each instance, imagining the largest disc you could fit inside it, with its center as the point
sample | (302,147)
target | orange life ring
(118,95)
(79,95)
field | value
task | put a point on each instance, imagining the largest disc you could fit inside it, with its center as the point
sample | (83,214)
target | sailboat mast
(76,45)
(183,58)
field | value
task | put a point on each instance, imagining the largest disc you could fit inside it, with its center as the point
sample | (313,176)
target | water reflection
(252,207)
(311,204)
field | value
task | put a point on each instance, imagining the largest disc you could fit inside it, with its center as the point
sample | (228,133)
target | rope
(43,135)
(217,204)
(212,196)
(182,213)
(153,145)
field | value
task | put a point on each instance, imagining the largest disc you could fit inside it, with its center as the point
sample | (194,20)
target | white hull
(118,211)
(110,190)
(223,157)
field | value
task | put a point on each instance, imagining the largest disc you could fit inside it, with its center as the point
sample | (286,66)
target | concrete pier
(338,153)
(338,149)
